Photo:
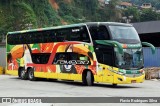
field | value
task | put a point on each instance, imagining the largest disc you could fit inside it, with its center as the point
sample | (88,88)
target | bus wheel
(19,71)
(23,74)
(89,78)
(31,74)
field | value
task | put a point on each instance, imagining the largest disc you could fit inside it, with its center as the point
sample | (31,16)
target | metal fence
(151,60)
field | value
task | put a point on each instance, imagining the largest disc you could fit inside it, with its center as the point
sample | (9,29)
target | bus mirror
(111,43)
(150,45)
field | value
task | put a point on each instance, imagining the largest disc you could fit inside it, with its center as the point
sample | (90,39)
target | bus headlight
(141,71)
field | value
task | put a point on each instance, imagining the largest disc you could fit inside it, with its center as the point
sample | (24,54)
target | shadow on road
(68,82)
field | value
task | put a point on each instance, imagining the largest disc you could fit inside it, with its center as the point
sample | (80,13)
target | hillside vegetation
(23,14)
(26,14)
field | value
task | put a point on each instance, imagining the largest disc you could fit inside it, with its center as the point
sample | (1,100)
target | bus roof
(108,23)
(68,26)
(47,28)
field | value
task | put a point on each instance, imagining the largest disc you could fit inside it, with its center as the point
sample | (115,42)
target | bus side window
(94,32)
(84,58)
(40,58)
(73,56)
(103,33)
(99,33)
(79,34)
(16,39)
(62,34)
(84,34)
(59,57)
(75,34)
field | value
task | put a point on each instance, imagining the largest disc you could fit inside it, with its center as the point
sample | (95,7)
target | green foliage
(132,11)
(22,14)
(113,12)
(149,15)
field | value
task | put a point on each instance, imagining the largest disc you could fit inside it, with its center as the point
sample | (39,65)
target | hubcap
(31,75)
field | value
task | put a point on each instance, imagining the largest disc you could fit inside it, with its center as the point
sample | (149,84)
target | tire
(89,78)
(31,76)
(19,71)
(84,79)
(23,74)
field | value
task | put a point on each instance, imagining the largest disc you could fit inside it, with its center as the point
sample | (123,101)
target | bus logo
(72,62)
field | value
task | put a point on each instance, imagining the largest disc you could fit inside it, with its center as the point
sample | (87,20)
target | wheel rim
(22,73)
(89,78)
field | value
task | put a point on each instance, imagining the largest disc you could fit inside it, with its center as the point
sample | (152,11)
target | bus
(102,52)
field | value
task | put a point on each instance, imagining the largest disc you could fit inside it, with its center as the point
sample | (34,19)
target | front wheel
(31,76)
(89,78)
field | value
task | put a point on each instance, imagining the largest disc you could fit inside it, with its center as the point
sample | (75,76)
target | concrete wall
(2,56)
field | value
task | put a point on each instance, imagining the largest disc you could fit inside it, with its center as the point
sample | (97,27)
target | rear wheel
(31,74)
(23,74)
(19,71)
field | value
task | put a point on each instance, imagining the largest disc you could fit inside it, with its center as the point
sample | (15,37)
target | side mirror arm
(111,43)
(150,45)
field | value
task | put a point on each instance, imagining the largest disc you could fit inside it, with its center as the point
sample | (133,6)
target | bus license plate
(133,81)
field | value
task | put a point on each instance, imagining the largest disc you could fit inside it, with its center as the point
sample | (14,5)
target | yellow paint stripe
(66,76)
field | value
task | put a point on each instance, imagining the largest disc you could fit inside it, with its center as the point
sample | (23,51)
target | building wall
(2,56)
(151,60)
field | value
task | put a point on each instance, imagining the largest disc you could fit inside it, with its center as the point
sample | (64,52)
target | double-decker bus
(105,52)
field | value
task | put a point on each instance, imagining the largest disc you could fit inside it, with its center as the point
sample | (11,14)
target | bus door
(105,58)
(104,53)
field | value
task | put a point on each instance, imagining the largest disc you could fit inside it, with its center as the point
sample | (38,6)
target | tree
(148,15)
(114,14)
(23,15)
(132,11)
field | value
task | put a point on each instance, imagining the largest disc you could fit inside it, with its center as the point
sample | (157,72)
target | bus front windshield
(124,34)
(130,59)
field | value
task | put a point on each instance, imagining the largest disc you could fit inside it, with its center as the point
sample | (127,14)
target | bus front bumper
(122,79)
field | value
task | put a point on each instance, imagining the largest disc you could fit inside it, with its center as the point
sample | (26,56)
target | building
(103,3)
(146,5)
(150,32)
(124,5)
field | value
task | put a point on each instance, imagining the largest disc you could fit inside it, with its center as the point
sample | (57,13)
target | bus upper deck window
(99,33)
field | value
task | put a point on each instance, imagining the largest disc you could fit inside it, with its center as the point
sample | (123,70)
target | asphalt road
(12,86)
